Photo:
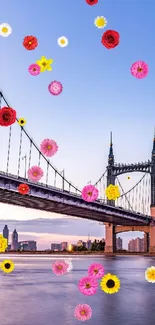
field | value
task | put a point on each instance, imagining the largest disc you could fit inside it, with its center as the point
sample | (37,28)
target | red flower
(110,39)
(7,116)
(30,42)
(23,189)
(92,2)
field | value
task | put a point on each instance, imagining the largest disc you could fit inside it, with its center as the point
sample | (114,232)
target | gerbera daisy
(100,22)
(7,116)
(34,69)
(30,43)
(44,64)
(5,30)
(23,189)
(62,41)
(59,267)
(150,274)
(55,88)
(96,270)
(21,121)
(89,193)
(88,286)
(48,147)
(83,312)
(7,266)
(3,244)
(110,283)
(139,69)
(35,173)
(70,265)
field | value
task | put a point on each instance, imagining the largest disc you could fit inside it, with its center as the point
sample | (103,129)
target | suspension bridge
(57,194)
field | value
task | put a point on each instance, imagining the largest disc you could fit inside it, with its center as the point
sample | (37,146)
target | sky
(99,93)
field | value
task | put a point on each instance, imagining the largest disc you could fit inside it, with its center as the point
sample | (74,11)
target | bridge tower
(110,236)
(152,207)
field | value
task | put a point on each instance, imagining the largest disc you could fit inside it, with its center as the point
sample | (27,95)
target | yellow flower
(3,244)
(150,274)
(100,22)
(5,30)
(110,283)
(7,266)
(21,121)
(44,64)
(62,41)
(112,192)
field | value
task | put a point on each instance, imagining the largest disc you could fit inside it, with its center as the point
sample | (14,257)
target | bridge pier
(110,238)
(152,233)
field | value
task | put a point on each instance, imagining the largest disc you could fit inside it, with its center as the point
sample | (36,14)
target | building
(79,243)
(136,245)
(119,244)
(64,246)
(6,233)
(88,244)
(14,244)
(29,245)
(55,247)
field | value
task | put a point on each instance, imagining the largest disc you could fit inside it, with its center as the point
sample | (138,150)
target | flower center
(6,116)
(7,265)
(34,69)
(44,64)
(22,121)
(110,38)
(62,41)
(5,30)
(30,42)
(59,267)
(139,69)
(49,147)
(23,188)
(90,193)
(95,271)
(88,286)
(100,22)
(83,312)
(110,283)
(35,173)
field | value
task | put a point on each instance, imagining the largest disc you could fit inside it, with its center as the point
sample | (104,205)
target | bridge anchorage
(131,211)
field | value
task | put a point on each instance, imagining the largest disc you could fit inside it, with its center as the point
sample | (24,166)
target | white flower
(62,41)
(5,30)
(100,22)
(70,265)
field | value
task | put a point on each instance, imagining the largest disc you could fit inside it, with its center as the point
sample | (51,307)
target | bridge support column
(152,233)
(110,238)
(146,241)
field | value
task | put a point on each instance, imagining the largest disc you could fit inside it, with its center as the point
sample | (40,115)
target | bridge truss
(17,159)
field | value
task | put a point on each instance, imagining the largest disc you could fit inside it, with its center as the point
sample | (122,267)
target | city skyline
(99,95)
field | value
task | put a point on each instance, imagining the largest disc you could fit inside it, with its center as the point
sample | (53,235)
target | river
(33,295)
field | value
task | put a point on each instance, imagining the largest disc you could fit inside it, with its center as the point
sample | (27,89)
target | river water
(33,295)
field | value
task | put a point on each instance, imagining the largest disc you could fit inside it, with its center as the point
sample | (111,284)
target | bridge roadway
(51,199)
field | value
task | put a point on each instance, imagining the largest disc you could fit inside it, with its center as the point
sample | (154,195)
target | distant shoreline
(97,253)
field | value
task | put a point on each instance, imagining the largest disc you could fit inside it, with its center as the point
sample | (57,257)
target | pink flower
(88,286)
(59,267)
(48,147)
(83,312)
(139,69)
(55,88)
(89,193)
(35,173)
(34,69)
(96,270)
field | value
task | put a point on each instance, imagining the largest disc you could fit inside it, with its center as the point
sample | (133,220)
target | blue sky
(100,95)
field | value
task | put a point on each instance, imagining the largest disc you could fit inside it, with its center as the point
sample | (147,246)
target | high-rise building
(6,233)
(136,245)
(88,244)
(29,245)
(64,246)
(55,247)
(119,243)
(14,244)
